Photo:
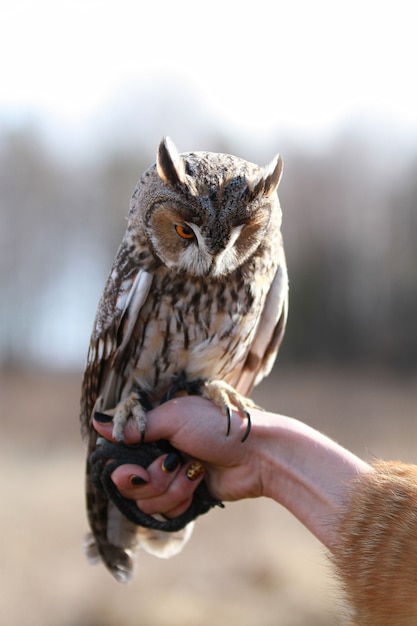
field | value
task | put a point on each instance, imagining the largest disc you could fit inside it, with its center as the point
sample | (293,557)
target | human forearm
(305,471)
(366,516)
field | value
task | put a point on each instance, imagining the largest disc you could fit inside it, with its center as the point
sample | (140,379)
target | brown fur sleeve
(376,555)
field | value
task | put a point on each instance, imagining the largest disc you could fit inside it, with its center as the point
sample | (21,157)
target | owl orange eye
(184,231)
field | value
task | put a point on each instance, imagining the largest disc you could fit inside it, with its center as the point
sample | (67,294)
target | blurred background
(87,90)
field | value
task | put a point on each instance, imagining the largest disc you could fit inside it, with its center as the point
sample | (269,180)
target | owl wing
(125,292)
(269,333)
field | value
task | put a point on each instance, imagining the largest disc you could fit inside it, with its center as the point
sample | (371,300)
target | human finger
(133,481)
(178,497)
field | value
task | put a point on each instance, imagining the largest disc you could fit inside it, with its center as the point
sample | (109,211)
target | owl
(198,292)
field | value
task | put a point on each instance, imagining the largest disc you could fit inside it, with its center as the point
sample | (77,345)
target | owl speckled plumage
(198,289)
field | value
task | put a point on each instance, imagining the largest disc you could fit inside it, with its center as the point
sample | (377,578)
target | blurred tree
(350,225)
(29,190)
(400,337)
(344,238)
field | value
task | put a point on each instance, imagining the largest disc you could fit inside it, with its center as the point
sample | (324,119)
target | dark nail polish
(103,418)
(171,462)
(138,480)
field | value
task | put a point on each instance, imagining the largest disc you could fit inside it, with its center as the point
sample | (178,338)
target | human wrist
(305,471)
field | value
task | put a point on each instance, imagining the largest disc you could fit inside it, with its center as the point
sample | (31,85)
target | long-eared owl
(198,290)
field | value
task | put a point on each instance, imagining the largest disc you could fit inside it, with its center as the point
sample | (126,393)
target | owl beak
(223,253)
(219,246)
(216,249)
(222,262)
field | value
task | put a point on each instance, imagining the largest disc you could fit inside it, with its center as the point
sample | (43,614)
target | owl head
(205,213)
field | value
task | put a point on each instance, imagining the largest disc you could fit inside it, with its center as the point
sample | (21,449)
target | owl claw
(228,412)
(225,396)
(117,433)
(248,427)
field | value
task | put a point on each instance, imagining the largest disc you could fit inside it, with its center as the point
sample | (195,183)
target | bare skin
(282,459)
(366,516)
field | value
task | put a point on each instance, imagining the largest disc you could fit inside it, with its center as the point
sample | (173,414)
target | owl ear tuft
(268,182)
(169,164)
(272,175)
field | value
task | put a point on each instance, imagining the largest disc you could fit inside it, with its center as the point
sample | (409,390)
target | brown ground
(251,563)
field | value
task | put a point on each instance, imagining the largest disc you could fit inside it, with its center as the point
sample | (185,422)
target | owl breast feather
(205,332)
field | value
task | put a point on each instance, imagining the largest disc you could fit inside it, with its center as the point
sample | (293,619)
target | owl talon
(248,427)
(228,412)
(117,433)
(223,395)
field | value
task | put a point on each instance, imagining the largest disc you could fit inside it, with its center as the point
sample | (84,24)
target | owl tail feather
(162,544)
(118,561)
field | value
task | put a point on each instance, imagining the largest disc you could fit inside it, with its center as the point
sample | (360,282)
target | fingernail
(102,418)
(195,471)
(171,462)
(138,480)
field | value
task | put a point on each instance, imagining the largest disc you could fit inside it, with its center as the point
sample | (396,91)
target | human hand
(197,428)
(283,459)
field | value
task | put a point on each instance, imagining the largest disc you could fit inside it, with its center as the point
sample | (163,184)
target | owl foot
(224,395)
(220,393)
(130,408)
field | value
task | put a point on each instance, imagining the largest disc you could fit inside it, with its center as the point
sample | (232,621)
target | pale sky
(293,64)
